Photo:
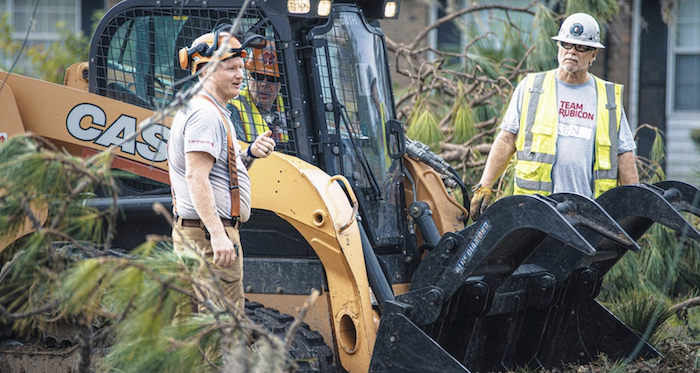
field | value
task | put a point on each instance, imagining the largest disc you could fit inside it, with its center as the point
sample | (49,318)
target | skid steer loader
(348,205)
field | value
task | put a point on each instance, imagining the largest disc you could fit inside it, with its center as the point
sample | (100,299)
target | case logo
(88,122)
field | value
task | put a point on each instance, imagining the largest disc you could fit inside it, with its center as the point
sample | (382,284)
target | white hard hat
(580,28)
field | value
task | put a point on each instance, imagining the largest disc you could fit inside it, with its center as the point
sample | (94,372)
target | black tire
(309,351)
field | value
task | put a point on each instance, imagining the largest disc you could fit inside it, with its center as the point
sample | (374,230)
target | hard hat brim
(579,42)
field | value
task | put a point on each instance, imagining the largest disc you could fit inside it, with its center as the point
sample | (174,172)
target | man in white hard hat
(567,127)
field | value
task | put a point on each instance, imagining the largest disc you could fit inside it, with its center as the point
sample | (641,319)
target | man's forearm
(203,200)
(627,169)
(198,167)
(498,159)
(247,159)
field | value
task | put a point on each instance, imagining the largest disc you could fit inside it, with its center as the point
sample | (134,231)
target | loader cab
(338,102)
(355,117)
(134,52)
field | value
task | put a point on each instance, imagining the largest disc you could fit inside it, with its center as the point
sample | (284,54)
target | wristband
(250,154)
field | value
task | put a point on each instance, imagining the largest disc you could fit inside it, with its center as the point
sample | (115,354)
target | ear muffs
(189,56)
(185,54)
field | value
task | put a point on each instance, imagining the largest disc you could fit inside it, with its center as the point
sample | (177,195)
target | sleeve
(625,140)
(511,120)
(203,133)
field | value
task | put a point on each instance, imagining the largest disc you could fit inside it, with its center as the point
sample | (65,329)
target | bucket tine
(585,212)
(682,196)
(636,207)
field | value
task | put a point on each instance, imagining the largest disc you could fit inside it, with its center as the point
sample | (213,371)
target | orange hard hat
(264,61)
(204,48)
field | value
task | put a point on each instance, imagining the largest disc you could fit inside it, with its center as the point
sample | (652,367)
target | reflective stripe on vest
(247,111)
(537,137)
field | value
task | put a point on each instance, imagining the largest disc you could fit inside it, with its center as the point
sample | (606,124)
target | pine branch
(686,304)
(16,316)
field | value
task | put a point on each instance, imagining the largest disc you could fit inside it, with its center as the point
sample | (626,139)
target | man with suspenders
(209,171)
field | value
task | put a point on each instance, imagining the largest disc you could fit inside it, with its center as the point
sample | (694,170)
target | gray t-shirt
(573,166)
(199,128)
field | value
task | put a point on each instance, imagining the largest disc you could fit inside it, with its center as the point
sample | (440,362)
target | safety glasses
(261,77)
(579,48)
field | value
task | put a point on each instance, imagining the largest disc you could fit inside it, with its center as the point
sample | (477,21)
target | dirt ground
(677,357)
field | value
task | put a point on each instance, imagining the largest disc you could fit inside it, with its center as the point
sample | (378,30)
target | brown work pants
(231,278)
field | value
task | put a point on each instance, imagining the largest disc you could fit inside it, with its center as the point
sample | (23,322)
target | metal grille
(136,58)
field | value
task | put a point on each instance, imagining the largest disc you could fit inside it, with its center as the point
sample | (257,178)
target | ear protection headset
(204,47)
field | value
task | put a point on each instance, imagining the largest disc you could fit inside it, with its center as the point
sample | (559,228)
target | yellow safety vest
(257,125)
(536,143)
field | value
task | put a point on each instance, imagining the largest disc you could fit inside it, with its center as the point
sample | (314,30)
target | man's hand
(224,253)
(480,201)
(263,145)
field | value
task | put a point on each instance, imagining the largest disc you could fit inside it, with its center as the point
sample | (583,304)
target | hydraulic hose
(377,280)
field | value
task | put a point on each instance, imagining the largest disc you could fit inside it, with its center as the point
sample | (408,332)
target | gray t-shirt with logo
(199,127)
(573,166)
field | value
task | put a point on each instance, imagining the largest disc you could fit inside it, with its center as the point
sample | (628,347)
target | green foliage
(8,48)
(46,63)
(43,193)
(463,118)
(53,61)
(544,27)
(423,125)
(645,312)
(64,270)
(148,297)
(602,10)
(695,137)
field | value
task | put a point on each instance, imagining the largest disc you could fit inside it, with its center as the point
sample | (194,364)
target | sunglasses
(261,77)
(579,48)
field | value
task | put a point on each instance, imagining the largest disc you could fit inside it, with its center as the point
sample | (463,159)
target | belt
(198,223)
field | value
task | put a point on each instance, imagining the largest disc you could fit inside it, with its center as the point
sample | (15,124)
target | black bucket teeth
(493,247)
(506,234)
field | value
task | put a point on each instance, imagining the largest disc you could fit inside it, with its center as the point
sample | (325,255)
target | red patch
(210,143)
(268,58)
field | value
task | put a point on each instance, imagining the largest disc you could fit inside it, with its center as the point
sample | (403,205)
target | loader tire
(308,351)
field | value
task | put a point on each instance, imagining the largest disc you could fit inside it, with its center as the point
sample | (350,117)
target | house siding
(682,153)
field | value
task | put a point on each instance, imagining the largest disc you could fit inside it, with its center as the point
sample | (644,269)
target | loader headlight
(309,8)
(374,9)
(299,6)
(324,8)
(391,9)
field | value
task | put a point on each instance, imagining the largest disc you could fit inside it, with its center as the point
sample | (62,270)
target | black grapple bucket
(517,288)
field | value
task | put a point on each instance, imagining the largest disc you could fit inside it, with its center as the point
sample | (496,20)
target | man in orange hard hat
(209,169)
(259,107)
